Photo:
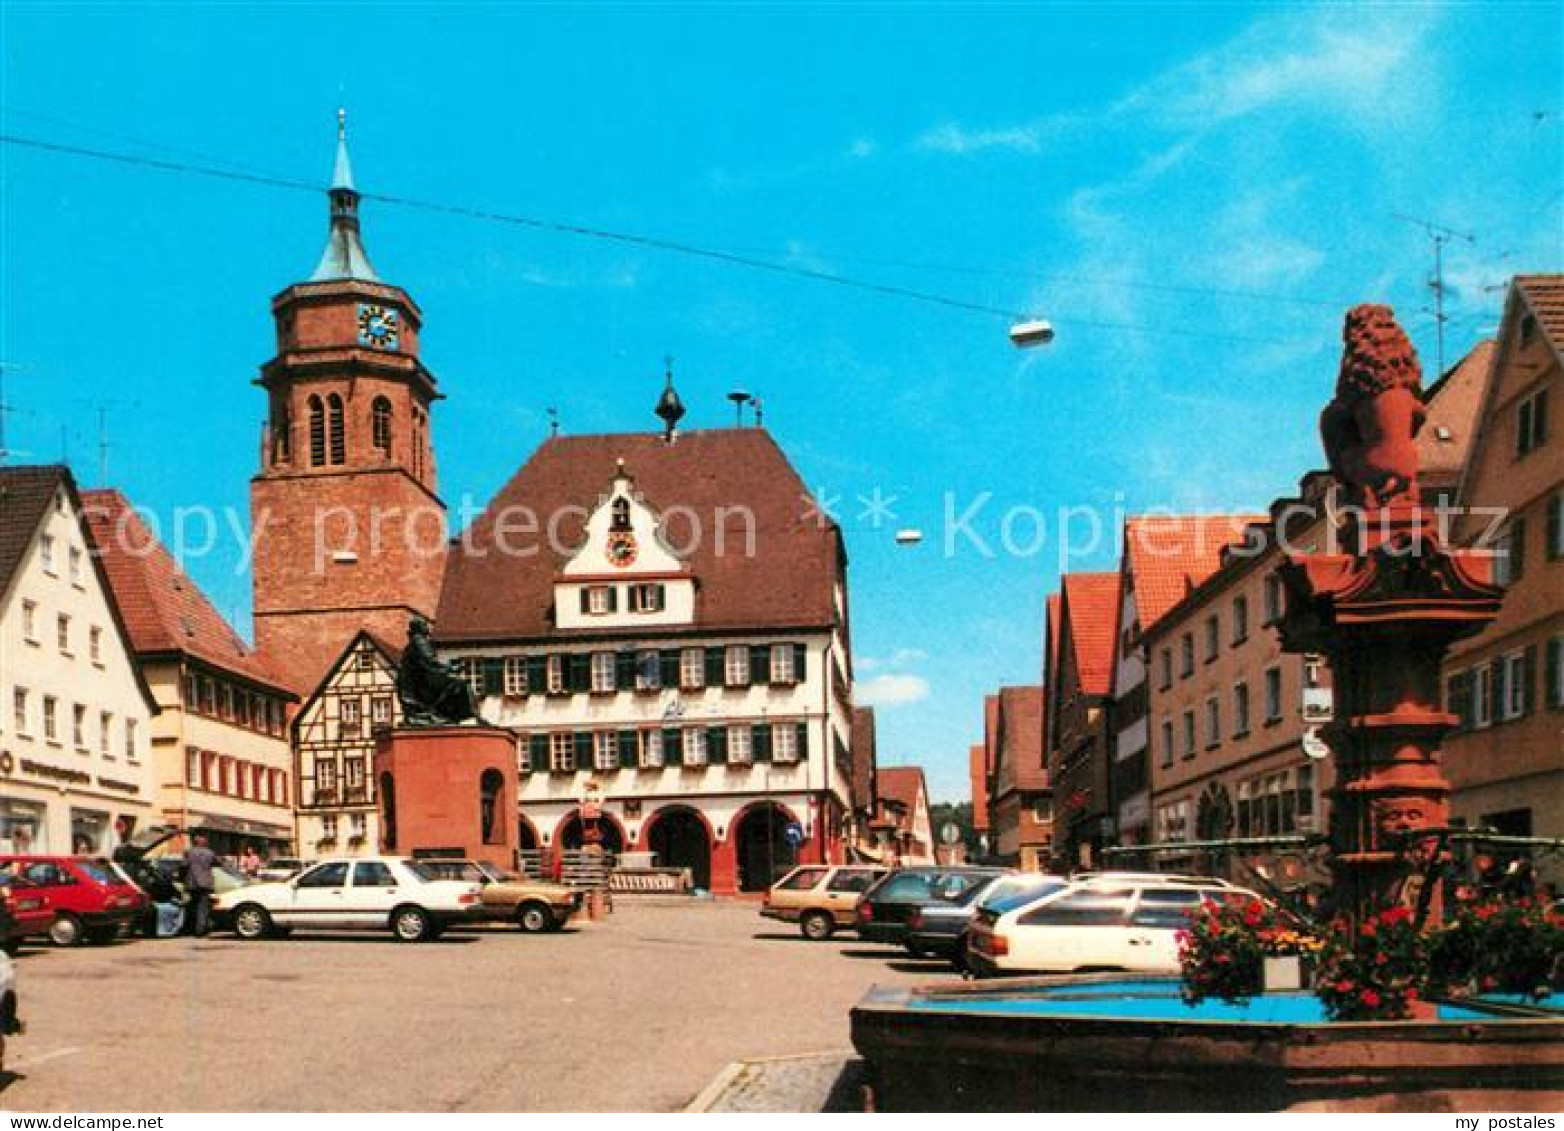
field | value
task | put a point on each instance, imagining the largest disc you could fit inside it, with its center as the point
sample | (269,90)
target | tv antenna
(553,421)
(6,408)
(740,398)
(1439,235)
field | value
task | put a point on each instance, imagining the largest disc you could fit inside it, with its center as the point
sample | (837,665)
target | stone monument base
(448,791)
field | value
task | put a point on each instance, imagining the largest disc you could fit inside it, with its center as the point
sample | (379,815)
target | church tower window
(339,447)
(380,421)
(317,432)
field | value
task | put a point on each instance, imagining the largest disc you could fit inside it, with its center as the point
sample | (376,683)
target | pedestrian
(250,862)
(199,861)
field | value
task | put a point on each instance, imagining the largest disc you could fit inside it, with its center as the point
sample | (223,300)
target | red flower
(1394,915)
(1368,931)
(1369,998)
(1343,987)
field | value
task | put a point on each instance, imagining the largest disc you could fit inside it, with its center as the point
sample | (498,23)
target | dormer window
(647,598)
(598,600)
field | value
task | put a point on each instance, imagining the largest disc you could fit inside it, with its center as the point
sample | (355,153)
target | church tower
(349,532)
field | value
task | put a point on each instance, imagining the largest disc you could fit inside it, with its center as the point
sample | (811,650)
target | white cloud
(863,147)
(949,137)
(890,690)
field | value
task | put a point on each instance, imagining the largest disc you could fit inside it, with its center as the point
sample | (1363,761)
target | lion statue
(1369,427)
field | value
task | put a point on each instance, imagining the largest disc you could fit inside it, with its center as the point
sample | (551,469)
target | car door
(318,898)
(843,890)
(1079,929)
(60,889)
(1151,942)
(371,895)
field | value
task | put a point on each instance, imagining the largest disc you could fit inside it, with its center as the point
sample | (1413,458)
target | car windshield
(1017,891)
(101,873)
(906,886)
(418,871)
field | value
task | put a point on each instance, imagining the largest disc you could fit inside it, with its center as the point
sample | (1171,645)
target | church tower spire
(344,256)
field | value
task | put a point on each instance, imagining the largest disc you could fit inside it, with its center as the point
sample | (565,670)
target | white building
(75,755)
(664,621)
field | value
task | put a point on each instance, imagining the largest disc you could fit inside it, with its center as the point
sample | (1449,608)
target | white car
(9,1022)
(1102,923)
(362,894)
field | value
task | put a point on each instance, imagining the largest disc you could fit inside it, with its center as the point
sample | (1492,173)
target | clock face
(379,327)
(621,550)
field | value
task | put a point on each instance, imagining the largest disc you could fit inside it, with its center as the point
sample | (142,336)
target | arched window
(419,426)
(490,785)
(339,446)
(380,425)
(317,432)
(388,810)
(282,432)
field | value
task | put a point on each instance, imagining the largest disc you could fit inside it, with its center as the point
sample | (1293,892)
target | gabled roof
(392,657)
(1544,297)
(165,612)
(902,784)
(25,495)
(1167,556)
(1021,736)
(1091,608)
(864,757)
(1453,404)
(786,582)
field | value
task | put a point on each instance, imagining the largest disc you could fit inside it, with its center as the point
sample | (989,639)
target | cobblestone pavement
(637,1012)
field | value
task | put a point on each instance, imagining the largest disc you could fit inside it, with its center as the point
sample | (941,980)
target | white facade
(1129,684)
(75,755)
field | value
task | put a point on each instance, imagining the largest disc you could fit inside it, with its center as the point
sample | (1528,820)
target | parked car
(10,1018)
(820,898)
(26,911)
(369,893)
(533,905)
(883,912)
(157,867)
(91,900)
(939,927)
(281,868)
(1101,923)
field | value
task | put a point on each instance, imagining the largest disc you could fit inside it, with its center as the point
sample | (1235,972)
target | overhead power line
(634,239)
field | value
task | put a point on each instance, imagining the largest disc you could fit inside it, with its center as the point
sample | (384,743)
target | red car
(91,901)
(27,913)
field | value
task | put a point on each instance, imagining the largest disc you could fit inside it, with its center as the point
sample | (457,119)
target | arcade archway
(679,838)
(572,834)
(761,846)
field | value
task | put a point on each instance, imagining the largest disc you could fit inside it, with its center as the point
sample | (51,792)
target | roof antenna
(739,398)
(553,421)
(670,409)
(1438,235)
(760,412)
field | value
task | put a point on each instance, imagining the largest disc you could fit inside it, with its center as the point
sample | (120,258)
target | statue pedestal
(1384,619)
(448,791)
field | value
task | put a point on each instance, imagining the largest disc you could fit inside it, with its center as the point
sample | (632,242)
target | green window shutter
(716,745)
(583,741)
(537,675)
(1460,697)
(629,750)
(624,670)
(760,663)
(760,742)
(578,672)
(1555,661)
(1529,676)
(669,658)
(585,605)
(613,598)
(493,675)
(537,745)
(714,667)
(800,658)
(803,740)
(673,751)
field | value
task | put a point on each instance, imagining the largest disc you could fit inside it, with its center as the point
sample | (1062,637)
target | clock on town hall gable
(349,533)
(624,574)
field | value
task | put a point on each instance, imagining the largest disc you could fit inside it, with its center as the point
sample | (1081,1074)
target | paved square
(636,1012)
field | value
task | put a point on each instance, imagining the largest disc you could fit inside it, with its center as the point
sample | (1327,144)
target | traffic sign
(794,833)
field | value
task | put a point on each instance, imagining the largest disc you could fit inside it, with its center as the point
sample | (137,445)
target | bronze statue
(1369,428)
(433,692)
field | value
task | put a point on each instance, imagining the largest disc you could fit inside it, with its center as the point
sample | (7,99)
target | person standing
(199,861)
(250,862)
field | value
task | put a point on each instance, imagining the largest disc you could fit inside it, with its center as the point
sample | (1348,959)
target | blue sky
(1193,194)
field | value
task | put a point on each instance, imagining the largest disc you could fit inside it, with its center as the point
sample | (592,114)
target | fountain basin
(1115,1043)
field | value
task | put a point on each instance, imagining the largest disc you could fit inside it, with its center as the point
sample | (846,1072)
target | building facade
(334,749)
(76,767)
(1506,685)
(663,621)
(1080,731)
(904,823)
(221,758)
(1023,799)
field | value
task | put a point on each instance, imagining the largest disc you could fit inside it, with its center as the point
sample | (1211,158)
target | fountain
(1383,606)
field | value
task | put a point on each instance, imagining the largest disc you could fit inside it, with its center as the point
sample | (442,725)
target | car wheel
(411,924)
(252,922)
(66,930)
(534,918)
(816,926)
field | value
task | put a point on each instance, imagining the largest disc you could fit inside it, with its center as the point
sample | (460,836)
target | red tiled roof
(787,581)
(1021,713)
(902,784)
(1167,556)
(1544,295)
(863,739)
(977,769)
(1091,605)
(25,494)
(165,611)
(1454,404)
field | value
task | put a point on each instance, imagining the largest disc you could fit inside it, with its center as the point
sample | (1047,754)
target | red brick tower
(348,530)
